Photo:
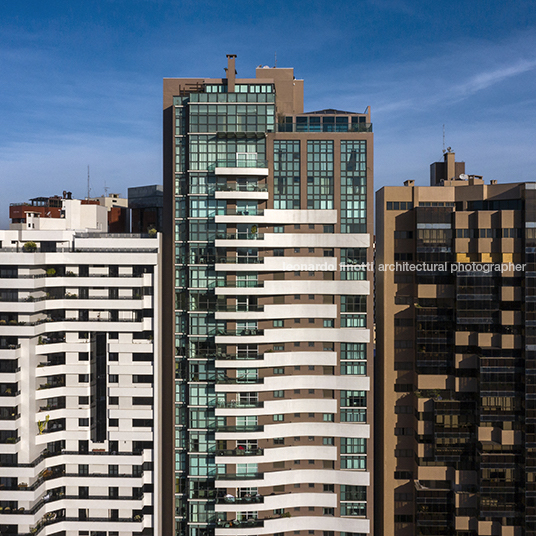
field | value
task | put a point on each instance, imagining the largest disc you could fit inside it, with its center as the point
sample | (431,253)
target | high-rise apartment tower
(456,412)
(78,396)
(267,342)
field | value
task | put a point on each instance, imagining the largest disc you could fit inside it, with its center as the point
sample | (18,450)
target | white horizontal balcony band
(283,264)
(43,394)
(294,405)
(276,383)
(74,304)
(283,500)
(291,311)
(277,287)
(293,429)
(299,453)
(142,367)
(242,171)
(298,476)
(143,346)
(129,413)
(316,240)
(300,216)
(137,389)
(241,195)
(282,359)
(300,335)
(82,346)
(272,216)
(67,413)
(134,434)
(76,282)
(68,368)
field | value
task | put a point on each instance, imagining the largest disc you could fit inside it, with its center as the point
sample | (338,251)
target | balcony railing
(239,404)
(240,524)
(240,476)
(240,260)
(239,356)
(239,236)
(244,212)
(243,428)
(239,163)
(240,452)
(238,380)
(242,332)
(241,500)
(234,187)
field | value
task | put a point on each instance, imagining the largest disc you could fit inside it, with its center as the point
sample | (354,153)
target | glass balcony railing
(241,428)
(239,236)
(240,260)
(244,332)
(239,404)
(241,187)
(239,452)
(239,163)
(240,476)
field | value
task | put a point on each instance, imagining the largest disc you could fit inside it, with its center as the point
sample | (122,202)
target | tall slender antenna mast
(88,188)
(275,59)
(444,139)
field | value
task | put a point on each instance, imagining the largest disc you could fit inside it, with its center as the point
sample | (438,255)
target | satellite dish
(464,177)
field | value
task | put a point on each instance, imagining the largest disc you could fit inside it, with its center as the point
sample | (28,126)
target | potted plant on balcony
(30,247)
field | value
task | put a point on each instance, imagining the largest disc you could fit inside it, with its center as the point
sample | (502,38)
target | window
(279,440)
(329,323)
(113,422)
(278,323)
(279,348)
(83,356)
(297,320)
(328,511)
(296,250)
(329,228)
(296,344)
(83,400)
(328,441)
(113,378)
(279,229)
(113,356)
(279,252)
(278,418)
(114,401)
(297,367)
(113,470)
(328,417)
(83,470)
(83,492)
(83,378)
(279,371)
(297,296)
(279,394)
(83,422)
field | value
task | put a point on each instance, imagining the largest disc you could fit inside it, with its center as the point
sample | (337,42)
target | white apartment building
(79,378)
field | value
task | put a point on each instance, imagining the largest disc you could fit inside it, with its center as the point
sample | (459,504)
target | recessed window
(279,229)
(113,422)
(113,378)
(279,371)
(296,321)
(311,344)
(83,422)
(83,400)
(279,394)
(297,344)
(114,401)
(278,323)
(278,417)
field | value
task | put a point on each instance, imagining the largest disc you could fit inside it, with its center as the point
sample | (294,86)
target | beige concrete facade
(453,342)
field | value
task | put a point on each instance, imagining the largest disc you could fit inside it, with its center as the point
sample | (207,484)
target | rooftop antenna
(105,189)
(444,139)
(88,188)
(275,59)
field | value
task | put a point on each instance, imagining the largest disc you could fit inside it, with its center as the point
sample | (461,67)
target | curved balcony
(247,499)
(240,452)
(241,332)
(239,236)
(237,404)
(240,357)
(240,524)
(240,476)
(225,380)
(240,260)
(241,428)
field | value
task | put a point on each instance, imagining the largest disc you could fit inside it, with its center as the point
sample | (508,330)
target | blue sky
(81,82)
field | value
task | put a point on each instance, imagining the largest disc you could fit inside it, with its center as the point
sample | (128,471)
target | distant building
(51,207)
(79,361)
(146,204)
